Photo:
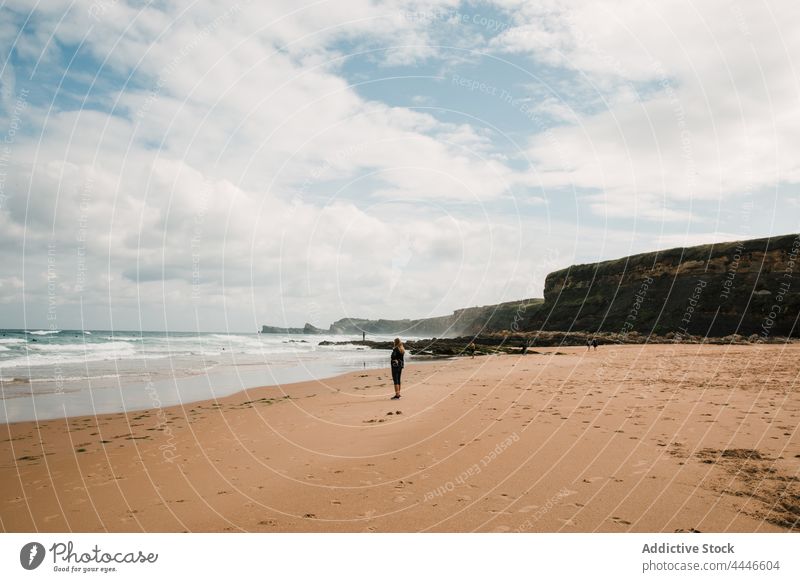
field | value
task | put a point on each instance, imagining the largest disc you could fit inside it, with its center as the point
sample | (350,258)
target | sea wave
(44,332)
(64,359)
(238,339)
(226,336)
(12,340)
(80,348)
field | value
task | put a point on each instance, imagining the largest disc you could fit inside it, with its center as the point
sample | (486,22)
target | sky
(207,166)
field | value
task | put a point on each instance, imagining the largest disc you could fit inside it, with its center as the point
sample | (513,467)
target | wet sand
(652,438)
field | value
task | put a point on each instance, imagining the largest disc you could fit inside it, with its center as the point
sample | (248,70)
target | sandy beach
(656,438)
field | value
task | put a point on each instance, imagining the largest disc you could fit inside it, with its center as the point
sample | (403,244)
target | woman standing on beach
(397,362)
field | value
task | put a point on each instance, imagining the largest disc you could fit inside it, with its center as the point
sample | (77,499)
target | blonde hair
(399,345)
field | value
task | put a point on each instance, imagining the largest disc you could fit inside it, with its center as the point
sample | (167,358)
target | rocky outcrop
(306,329)
(433,325)
(528,342)
(748,288)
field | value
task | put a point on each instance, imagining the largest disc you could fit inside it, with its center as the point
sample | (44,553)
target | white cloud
(226,126)
(715,87)
(233,166)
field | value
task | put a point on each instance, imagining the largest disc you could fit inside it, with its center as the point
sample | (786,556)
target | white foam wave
(32,360)
(12,340)
(234,338)
(81,348)
(45,332)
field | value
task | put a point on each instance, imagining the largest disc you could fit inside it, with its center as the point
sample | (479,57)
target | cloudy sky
(217,166)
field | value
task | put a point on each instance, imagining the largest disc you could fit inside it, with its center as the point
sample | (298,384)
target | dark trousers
(396,371)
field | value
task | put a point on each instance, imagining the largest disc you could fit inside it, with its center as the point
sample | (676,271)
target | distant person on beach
(471,349)
(588,344)
(594,343)
(397,362)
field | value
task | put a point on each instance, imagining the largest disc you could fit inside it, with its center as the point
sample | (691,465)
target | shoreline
(421,360)
(131,393)
(627,438)
(112,390)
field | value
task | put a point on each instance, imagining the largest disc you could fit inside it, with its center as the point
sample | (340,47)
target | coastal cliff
(467,321)
(306,329)
(748,288)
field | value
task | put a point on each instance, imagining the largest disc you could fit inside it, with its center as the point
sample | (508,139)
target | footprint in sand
(527,508)
(620,521)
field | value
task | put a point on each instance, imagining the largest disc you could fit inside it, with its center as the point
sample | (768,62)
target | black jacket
(397,358)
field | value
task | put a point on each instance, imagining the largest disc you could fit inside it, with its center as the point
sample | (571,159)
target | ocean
(56,374)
